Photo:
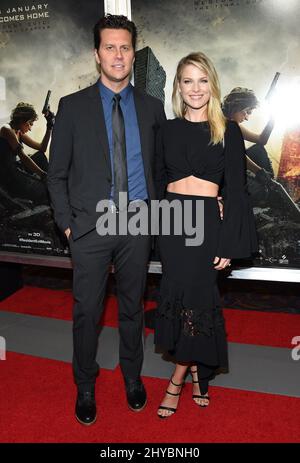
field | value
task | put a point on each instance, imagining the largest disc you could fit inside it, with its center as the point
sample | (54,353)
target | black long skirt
(189,322)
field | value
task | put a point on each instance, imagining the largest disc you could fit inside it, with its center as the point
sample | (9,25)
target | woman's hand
(50,118)
(221,262)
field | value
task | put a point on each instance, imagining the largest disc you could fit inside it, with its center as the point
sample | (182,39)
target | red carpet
(243,326)
(43,302)
(37,404)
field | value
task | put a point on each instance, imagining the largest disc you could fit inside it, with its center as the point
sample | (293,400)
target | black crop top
(187,151)
(183,149)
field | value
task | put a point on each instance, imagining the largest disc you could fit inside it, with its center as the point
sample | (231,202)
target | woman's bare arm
(10,135)
(260,138)
(42,146)
(29,163)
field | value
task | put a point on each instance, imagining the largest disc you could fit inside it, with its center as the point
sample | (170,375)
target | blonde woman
(198,151)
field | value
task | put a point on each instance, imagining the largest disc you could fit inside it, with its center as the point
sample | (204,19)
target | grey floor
(252,368)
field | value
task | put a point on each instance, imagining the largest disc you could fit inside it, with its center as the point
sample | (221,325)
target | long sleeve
(238,237)
(160,168)
(160,177)
(59,166)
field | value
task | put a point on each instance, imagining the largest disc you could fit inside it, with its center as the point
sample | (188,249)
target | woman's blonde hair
(216,117)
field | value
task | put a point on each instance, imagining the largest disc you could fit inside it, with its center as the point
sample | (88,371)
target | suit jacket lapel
(143,127)
(98,122)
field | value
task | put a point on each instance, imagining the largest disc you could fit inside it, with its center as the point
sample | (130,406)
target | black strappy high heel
(203,386)
(171,409)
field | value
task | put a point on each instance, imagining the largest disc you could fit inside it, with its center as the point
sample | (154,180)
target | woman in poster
(21,174)
(238,106)
(197,152)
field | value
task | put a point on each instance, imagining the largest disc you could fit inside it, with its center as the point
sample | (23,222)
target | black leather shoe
(136,394)
(85,411)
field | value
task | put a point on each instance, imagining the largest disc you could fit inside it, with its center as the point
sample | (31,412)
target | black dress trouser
(92,255)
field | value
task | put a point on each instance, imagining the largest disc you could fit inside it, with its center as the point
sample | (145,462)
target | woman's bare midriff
(194,186)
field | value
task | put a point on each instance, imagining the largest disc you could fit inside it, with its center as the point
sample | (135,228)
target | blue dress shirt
(137,188)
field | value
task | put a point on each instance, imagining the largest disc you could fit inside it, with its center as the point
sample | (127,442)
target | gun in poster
(46,106)
(26,219)
(272,86)
(276,192)
(49,115)
(276,211)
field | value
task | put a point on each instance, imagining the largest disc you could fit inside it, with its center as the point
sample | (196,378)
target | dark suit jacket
(79,172)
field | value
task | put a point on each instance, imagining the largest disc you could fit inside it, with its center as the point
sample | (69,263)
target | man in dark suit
(104,143)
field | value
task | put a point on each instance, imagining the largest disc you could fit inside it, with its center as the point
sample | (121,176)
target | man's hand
(68,232)
(221,206)
(222,263)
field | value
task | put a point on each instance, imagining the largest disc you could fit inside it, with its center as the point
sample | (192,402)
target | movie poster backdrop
(255,46)
(46,52)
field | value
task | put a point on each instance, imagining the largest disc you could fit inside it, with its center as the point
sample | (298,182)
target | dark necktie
(119,150)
